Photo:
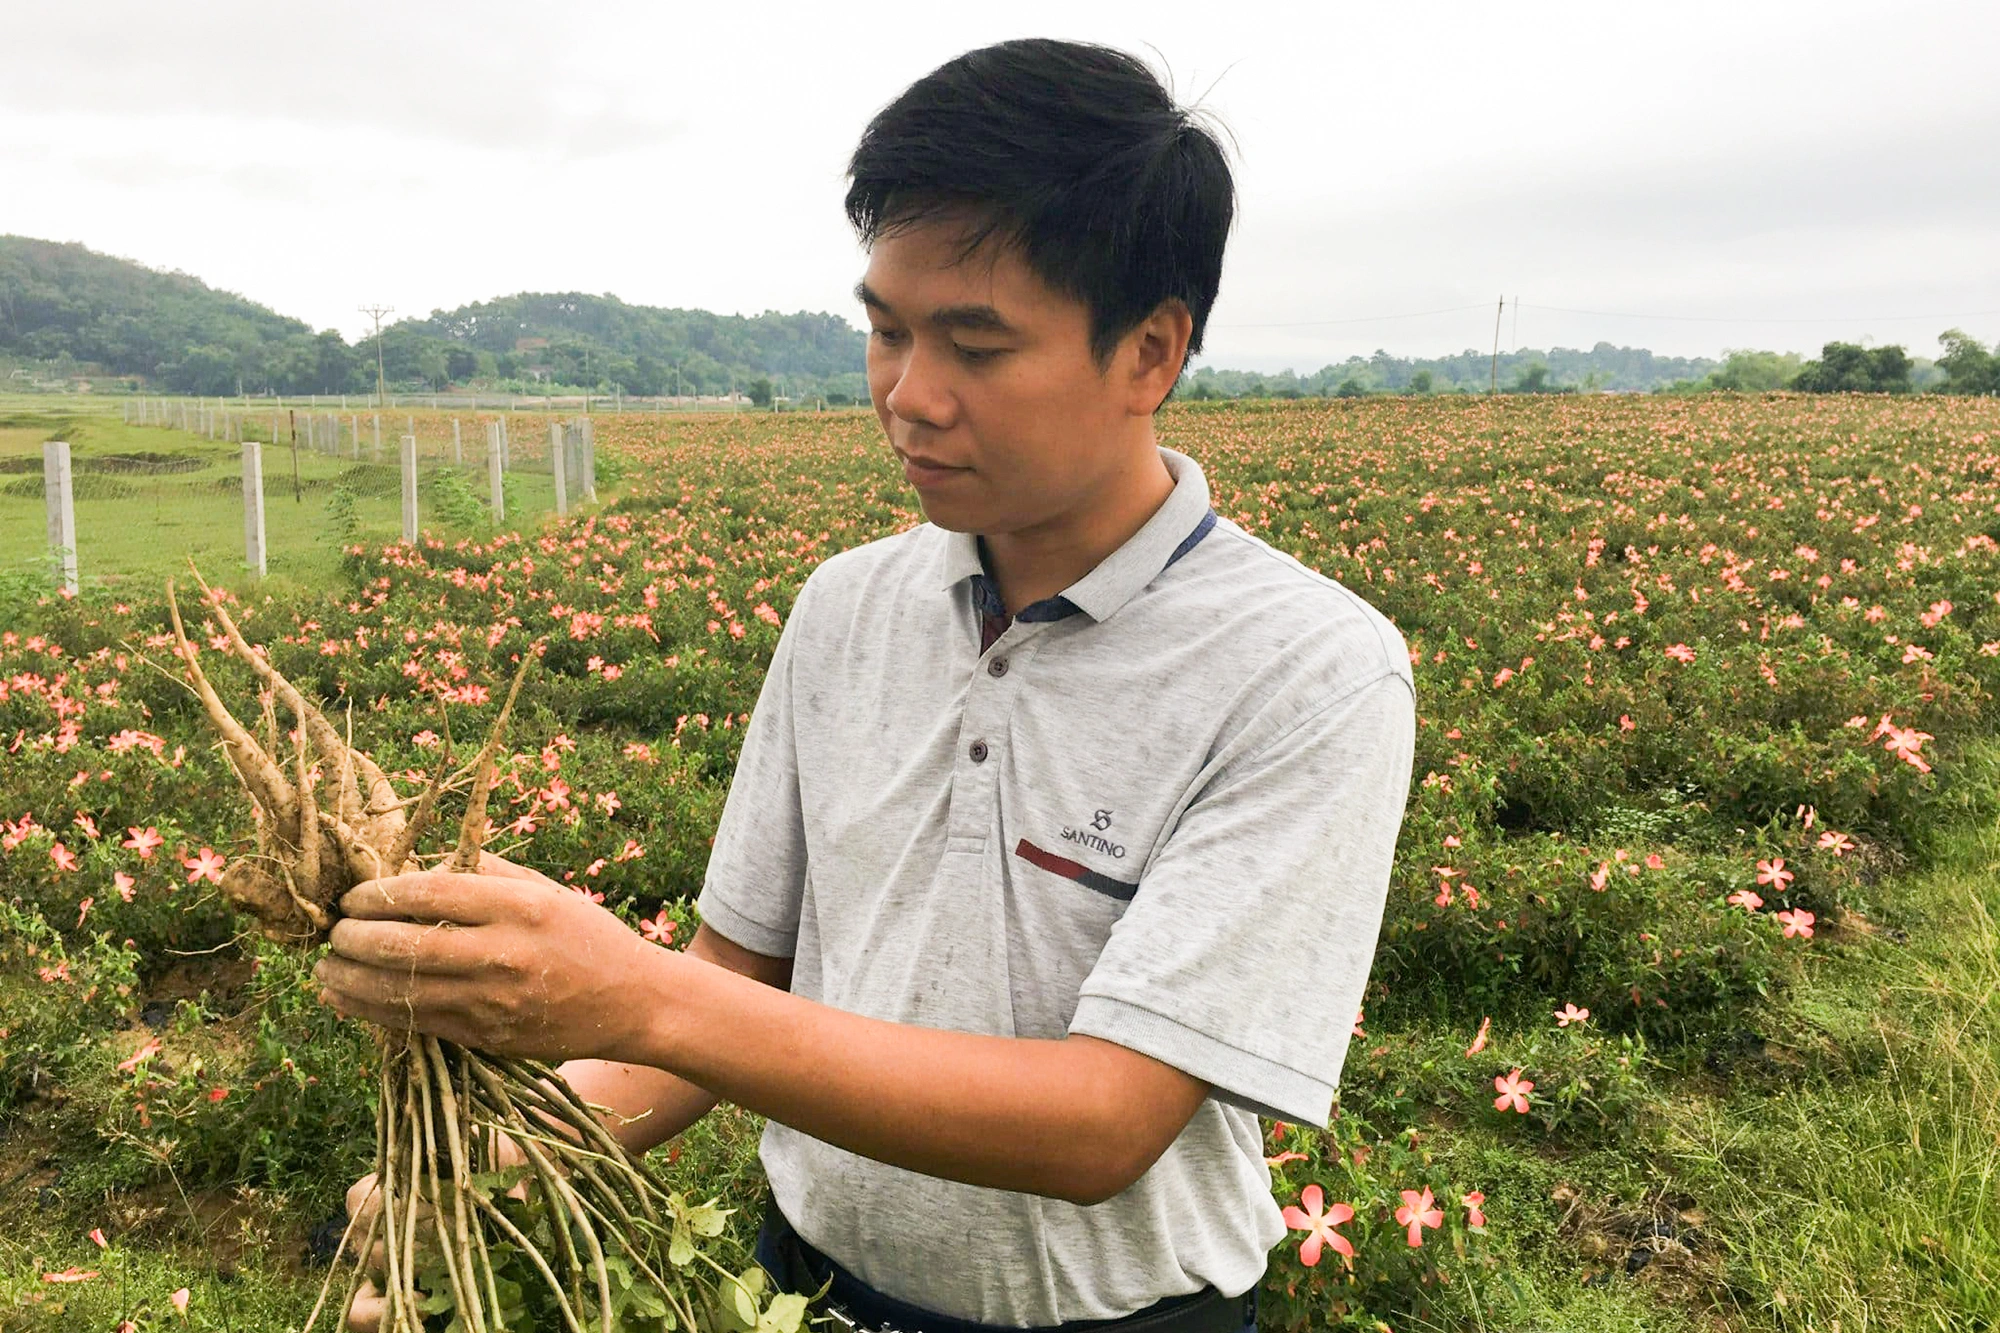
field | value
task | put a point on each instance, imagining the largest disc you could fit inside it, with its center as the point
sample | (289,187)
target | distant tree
(1535,379)
(1420,382)
(1351,388)
(460,364)
(208,370)
(1968,366)
(759,391)
(1746,371)
(1851,368)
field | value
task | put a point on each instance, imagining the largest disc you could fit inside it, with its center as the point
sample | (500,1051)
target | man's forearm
(647,1106)
(1046,1117)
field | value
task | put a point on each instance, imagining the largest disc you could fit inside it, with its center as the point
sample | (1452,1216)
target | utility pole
(376,312)
(1494,386)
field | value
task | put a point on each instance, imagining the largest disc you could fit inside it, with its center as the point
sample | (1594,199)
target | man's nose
(922,393)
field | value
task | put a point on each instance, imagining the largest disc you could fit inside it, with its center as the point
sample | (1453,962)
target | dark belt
(798,1267)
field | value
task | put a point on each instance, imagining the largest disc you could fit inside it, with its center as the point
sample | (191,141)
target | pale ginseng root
(443,1110)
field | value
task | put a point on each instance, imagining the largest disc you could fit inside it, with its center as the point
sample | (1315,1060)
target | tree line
(70,308)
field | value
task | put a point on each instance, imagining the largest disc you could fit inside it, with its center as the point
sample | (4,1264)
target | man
(1057,849)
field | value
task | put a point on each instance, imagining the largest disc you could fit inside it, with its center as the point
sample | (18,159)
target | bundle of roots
(615,1248)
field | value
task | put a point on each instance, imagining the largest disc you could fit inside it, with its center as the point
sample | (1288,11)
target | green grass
(138,523)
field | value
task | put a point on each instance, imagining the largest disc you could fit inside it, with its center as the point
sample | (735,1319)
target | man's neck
(1040,562)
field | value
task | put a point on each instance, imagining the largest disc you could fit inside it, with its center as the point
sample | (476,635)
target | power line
(1613,314)
(1354,319)
(1767,319)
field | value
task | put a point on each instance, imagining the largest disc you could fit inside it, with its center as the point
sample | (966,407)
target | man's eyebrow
(974,318)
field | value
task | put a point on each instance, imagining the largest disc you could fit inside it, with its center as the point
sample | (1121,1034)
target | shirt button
(978,752)
(997,667)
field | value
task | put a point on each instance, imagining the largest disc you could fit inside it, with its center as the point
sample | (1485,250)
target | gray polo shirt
(1163,817)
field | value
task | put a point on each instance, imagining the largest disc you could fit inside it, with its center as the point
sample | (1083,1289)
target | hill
(573,338)
(70,310)
(64,304)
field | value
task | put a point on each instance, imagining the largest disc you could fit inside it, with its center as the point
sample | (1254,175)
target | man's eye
(978,355)
(887,336)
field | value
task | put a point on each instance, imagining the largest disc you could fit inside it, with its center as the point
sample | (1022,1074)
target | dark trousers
(797,1266)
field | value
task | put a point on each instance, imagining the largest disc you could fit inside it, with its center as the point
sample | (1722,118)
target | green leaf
(680,1253)
(743,1305)
(785,1314)
(707,1220)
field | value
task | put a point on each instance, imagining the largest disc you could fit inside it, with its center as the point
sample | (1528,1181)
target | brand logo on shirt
(1101,820)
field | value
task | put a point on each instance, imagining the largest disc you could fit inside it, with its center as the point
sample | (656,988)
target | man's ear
(1159,352)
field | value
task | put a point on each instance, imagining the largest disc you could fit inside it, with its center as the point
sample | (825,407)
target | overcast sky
(1686,177)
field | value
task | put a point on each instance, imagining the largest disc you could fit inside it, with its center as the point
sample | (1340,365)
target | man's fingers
(441,948)
(491,863)
(433,895)
(362,1198)
(365,1314)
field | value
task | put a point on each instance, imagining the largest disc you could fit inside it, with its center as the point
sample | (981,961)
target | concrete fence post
(253,505)
(377,454)
(494,472)
(57,496)
(589,441)
(457,445)
(410,489)
(559,462)
(506,449)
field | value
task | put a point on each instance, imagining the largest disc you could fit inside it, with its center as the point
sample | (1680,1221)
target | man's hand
(507,962)
(364,1314)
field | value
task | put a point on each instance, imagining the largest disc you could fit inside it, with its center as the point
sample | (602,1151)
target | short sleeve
(756,873)
(1243,957)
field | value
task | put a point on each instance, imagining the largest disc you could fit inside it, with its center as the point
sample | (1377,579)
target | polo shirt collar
(1117,578)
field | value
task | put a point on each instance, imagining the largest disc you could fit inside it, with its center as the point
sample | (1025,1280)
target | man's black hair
(1076,156)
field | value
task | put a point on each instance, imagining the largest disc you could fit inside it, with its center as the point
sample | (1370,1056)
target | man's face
(982,367)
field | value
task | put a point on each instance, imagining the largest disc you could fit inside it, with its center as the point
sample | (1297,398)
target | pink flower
(1774,874)
(1479,1042)
(1513,1090)
(1904,742)
(143,841)
(180,1302)
(144,1053)
(1318,1222)
(70,1274)
(97,1238)
(1419,1211)
(64,858)
(123,883)
(207,866)
(1680,652)
(1569,1013)
(1284,1157)
(1474,1217)
(217,1094)
(1600,876)
(659,928)
(1836,843)
(1798,921)
(1747,899)
(1360,1017)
